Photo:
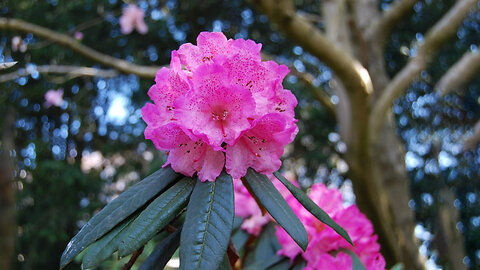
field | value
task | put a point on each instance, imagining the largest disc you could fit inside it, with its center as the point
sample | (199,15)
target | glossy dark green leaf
(156,216)
(162,253)
(313,207)
(208,224)
(239,239)
(276,205)
(116,211)
(225,264)
(103,248)
(264,254)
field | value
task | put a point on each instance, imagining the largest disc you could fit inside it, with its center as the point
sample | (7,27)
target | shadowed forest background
(388,91)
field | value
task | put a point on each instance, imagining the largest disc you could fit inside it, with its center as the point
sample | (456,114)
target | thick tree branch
(71,71)
(382,28)
(69,42)
(352,74)
(444,29)
(460,73)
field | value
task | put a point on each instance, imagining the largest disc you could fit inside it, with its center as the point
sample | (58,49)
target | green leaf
(162,253)
(225,264)
(276,205)
(116,211)
(239,239)
(208,224)
(313,207)
(264,254)
(103,248)
(356,262)
(156,216)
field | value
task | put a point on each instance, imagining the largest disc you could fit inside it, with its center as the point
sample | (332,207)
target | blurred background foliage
(72,160)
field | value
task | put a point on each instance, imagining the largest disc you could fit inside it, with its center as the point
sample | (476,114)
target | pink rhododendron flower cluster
(325,246)
(54,97)
(219,105)
(133,18)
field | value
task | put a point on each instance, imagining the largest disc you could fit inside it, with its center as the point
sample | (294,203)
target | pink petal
(209,45)
(215,110)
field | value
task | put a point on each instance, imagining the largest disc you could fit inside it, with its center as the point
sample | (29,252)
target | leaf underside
(313,207)
(276,206)
(208,224)
(117,211)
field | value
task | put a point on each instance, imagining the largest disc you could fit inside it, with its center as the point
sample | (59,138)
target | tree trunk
(7,199)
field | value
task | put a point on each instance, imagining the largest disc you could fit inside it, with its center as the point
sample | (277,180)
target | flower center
(220,117)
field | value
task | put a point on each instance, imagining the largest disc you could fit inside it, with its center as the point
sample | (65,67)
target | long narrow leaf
(156,216)
(312,207)
(103,248)
(208,224)
(162,253)
(276,205)
(116,211)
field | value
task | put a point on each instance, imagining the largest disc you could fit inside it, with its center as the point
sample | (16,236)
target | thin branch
(133,259)
(71,71)
(382,28)
(69,42)
(460,73)
(472,141)
(7,65)
(352,74)
(444,29)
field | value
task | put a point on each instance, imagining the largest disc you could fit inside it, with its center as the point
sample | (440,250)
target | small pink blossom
(325,245)
(219,94)
(78,35)
(18,44)
(54,97)
(133,18)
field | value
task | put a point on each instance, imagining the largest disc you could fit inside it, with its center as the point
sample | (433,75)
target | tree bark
(7,198)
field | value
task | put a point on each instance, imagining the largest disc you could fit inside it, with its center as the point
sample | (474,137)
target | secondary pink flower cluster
(54,98)
(325,246)
(219,105)
(247,208)
(133,18)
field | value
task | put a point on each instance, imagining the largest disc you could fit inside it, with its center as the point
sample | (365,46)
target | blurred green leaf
(276,205)
(117,210)
(313,207)
(208,224)
(356,262)
(162,253)
(103,248)
(156,216)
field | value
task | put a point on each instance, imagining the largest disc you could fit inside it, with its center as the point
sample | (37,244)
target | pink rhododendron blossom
(247,208)
(133,18)
(78,35)
(18,44)
(226,104)
(325,245)
(54,97)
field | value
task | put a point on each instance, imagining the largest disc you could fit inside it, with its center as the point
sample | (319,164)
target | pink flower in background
(54,97)
(247,208)
(133,18)
(78,35)
(18,44)
(325,245)
(226,103)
